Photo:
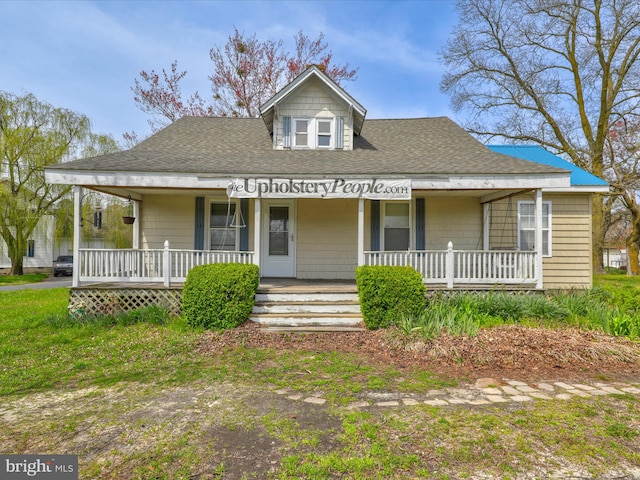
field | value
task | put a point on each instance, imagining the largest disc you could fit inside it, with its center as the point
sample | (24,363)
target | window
(527,227)
(312,133)
(324,133)
(31,248)
(223,229)
(396,226)
(302,133)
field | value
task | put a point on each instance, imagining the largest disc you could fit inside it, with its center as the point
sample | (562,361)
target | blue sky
(85,55)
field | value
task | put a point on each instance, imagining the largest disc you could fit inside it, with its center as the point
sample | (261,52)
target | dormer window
(302,133)
(324,133)
(312,133)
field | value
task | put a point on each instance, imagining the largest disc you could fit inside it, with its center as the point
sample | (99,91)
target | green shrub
(387,294)
(220,295)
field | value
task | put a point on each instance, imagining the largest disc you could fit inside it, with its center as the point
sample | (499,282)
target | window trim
(548,229)
(208,227)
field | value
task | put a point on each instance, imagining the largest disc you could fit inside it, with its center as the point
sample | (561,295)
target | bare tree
(622,167)
(246,73)
(557,73)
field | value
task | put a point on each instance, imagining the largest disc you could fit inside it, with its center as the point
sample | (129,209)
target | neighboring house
(38,256)
(311,190)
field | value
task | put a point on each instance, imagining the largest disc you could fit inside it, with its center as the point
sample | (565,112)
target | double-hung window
(323,133)
(313,133)
(527,226)
(301,133)
(223,229)
(395,226)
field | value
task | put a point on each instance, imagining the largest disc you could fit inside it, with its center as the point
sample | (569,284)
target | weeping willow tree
(34,135)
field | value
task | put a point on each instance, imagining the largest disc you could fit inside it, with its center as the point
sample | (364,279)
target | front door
(278,239)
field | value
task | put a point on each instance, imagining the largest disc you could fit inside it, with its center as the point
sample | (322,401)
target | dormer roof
(268,110)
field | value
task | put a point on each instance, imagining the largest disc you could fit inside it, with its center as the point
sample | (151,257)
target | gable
(314,108)
(270,111)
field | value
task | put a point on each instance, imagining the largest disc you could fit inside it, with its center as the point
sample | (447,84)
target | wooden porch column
(77,234)
(538,241)
(486,225)
(360,231)
(136,225)
(257,220)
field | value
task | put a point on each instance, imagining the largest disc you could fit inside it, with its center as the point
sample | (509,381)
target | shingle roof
(237,146)
(579,177)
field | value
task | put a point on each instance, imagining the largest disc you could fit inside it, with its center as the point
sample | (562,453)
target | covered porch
(311,238)
(439,268)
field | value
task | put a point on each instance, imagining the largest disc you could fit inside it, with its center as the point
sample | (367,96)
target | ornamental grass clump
(220,296)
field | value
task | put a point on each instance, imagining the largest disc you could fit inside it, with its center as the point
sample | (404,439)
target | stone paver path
(486,391)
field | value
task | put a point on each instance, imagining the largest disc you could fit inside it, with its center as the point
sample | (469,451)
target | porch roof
(226,147)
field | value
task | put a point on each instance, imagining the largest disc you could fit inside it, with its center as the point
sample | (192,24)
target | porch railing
(153,265)
(455,267)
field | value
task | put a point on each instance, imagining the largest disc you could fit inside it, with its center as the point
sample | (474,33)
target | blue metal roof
(579,177)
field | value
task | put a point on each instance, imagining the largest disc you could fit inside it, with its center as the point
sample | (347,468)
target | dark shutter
(375,225)
(244,231)
(286,132)
(198,236)
(420,224)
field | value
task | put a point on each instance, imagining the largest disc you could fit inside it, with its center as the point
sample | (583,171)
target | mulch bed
(509,351)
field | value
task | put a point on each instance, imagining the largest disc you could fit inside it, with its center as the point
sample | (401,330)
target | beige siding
(570,263)
(167,217)
(453,219)
(310,101)
(327,238)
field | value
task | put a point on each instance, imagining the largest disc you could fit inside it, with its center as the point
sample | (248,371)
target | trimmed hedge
(389,293)
(220,295)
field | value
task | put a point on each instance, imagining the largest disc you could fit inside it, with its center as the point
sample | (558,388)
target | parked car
(63,265)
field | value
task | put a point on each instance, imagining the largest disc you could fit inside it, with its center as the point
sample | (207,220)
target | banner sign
(373,188)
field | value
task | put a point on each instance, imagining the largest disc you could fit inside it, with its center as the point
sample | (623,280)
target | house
(40,249)
(311,190)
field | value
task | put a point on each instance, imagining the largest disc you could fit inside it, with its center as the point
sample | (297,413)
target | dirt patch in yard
(510,351)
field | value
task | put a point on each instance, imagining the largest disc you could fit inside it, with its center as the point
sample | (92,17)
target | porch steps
(307,308)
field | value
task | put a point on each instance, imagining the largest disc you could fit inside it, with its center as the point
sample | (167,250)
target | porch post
(486,225)
(257,221)
(136,225)
(77,234)
(360,231)
(450,265)
(166,261)
(538,241)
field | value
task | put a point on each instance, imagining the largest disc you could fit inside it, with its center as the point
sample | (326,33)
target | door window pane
(279,231)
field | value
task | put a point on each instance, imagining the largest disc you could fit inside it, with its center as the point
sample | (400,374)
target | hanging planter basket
(128,220)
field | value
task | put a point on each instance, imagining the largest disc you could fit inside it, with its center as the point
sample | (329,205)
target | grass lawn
(22,279)
(134,398)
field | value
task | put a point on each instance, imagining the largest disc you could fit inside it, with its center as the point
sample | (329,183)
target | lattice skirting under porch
(109,300)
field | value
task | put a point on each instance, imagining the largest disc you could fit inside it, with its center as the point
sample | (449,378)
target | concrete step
(306,307)
(306,329)
(306,319)
(329,297)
